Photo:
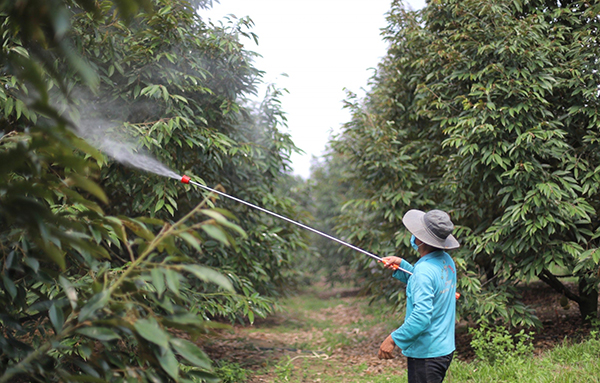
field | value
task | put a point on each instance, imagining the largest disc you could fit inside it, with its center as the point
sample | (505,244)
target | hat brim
(414,222)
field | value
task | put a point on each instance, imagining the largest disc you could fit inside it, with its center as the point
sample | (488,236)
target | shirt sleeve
(422,290)
(401,275)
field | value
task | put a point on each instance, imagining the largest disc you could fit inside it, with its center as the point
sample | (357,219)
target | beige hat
(433,228)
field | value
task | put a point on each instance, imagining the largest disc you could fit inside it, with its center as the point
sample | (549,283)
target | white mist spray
(123,150)
(122,147)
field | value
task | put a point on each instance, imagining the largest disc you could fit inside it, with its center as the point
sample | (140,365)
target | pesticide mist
(120,146)
(123,150)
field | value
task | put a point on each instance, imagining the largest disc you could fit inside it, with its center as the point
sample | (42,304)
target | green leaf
(191,353)
(220,218)
(150,90)
(99,333)
(210,275)
(117,225)
(10,286)
(172,278)
(20,50)
(87,185)
(159,205)
(8,263)
(150,330)
(138,228)
(69,290)
(216,233)
(158,280)
(32,263)
(19,106)
(191,240)
(8,107)
(57,255)
(168,362)
(97,302)
(88,149)
(56,317)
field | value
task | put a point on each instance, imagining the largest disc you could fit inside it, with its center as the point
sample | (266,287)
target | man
(427,336)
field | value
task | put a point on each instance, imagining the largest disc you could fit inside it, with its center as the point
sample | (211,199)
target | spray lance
(186,180)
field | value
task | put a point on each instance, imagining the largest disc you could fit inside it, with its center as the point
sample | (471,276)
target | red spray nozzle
(185,179)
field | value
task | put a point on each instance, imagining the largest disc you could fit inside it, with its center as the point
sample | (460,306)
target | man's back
(428,329)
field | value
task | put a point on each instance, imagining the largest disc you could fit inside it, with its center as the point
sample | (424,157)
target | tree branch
(551,280)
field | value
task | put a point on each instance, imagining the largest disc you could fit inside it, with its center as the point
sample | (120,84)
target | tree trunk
(588,303)
(587,297)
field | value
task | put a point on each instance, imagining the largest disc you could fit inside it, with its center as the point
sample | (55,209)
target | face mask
(413,244)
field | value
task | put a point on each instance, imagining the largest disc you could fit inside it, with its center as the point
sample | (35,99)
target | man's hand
(388,262)
(386,348)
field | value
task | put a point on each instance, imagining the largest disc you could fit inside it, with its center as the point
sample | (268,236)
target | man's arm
(390,262)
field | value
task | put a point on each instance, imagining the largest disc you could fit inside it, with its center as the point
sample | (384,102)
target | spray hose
(186,180)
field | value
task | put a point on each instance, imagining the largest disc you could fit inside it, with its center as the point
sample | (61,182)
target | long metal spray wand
(186,180)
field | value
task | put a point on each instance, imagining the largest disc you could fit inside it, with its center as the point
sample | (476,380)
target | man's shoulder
(434,261)
(426,267)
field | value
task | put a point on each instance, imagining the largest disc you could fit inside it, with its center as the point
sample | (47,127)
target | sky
(315,49)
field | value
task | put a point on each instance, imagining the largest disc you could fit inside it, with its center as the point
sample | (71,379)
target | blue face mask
(413,244)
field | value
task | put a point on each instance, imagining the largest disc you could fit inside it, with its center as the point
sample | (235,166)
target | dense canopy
(488,110)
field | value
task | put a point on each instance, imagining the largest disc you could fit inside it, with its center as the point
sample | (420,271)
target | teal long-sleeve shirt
(428,329)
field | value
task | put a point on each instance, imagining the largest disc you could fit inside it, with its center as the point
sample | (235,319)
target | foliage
(283,370)
(534,140)
(231,372)
(97,286)
(178,84)
(488,110)
(497,344)
(108,321)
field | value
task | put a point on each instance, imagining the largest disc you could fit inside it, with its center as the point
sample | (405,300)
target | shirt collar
(433,254)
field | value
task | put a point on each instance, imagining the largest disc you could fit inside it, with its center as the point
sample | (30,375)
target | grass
(577,363)
(569,362)
(323,371)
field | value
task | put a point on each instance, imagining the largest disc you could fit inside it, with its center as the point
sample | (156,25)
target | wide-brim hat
(433,228)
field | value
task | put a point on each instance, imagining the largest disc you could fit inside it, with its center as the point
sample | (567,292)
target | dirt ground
(256,349)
